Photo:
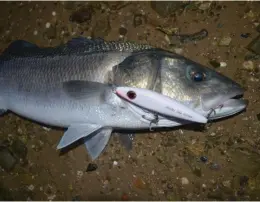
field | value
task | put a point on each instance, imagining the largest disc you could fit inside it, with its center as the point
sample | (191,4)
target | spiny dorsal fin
(79,41)
(17,46)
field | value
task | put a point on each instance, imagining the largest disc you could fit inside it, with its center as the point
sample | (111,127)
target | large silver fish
(71,86)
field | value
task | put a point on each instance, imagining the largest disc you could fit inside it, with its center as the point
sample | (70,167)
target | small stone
(204,159)
(204,186)
(124,197)
(122,31)
(139,183)
(91,167)
(53,13)
(31,187)
(48,25)
(51,197)
(212,134)
(223,64)
(7,160)
(167,39)
(35,32)
(178,51)
(79,174)
(248,65)
(139,19)
(184,181)
(45,128)
(115,163)
(169,186)
(246,35)
(204,6)
(225,41)
(214,166)
(226,183)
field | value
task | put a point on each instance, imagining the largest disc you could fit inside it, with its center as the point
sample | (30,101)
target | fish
(72,86)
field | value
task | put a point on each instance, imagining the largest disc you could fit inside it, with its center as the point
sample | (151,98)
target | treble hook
(213,110)
(155,121)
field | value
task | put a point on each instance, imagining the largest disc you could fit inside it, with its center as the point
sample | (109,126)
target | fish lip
(241,106)
(223,98)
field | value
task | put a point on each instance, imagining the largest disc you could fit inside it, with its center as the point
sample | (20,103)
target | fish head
(201,88)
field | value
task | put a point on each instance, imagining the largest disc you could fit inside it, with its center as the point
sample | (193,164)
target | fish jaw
(228,108)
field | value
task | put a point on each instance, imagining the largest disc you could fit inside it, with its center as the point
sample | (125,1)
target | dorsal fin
(78,41)
(17,46)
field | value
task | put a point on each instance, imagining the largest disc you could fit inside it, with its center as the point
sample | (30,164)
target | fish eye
(131,95)
(198,76)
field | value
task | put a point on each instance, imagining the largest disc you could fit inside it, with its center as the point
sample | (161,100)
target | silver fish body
(72,86)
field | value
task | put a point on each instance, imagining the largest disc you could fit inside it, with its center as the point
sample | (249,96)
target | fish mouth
(227,105)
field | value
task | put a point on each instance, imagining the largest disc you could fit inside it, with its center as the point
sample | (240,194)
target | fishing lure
(158,103)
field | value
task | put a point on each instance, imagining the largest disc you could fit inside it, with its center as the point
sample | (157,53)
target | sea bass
(72,86)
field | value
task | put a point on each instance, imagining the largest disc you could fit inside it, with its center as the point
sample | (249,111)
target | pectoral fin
(97,143)
(76,132)
(78,89)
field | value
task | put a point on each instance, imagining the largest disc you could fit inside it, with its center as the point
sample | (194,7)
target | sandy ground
(218,162)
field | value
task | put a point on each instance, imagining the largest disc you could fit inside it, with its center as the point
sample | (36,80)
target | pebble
(223,64)
(124,197)
(122,31)
(214,166)
(204,6)
(35,32)
(246,35)
(138,20)
(226,183)
(51,197)
(115,163)
(79,174)
(31,187)
(7,160)
(212,134)
(204,159)
(184,181)
(225,41)
(53,13)
(45,128)
(48,25)
(139,183)
(178,51)
(248,65)
(91,167)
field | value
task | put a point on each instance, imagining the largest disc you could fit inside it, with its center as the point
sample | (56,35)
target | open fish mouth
(230,105)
